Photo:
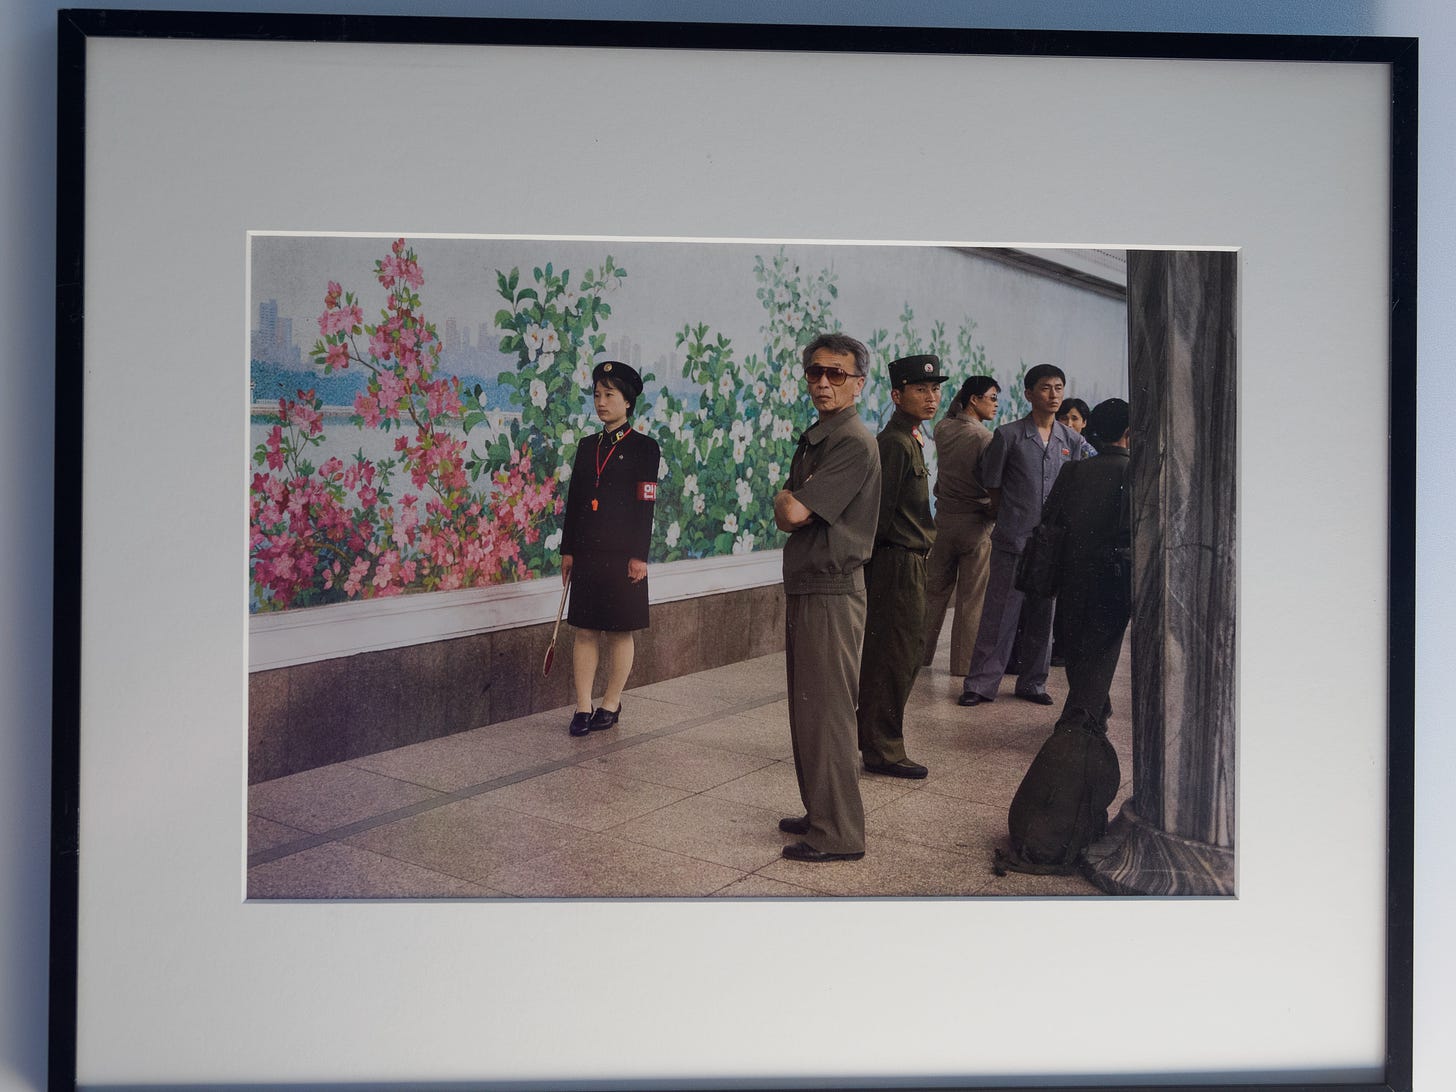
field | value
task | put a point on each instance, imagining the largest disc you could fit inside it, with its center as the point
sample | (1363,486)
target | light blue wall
(27,124)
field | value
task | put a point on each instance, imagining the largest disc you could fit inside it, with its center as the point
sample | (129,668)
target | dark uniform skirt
(602,597)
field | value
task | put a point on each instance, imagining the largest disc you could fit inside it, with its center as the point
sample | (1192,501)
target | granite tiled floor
(681,800)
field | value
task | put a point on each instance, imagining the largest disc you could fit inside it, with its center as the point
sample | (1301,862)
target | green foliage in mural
(1013,398)
(484,499)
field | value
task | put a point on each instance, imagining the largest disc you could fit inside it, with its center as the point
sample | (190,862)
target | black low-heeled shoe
(581,724)
(604,718)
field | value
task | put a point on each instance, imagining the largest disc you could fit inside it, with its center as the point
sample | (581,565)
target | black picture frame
(79,27)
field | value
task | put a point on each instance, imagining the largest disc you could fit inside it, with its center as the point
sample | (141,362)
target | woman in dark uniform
(604,543)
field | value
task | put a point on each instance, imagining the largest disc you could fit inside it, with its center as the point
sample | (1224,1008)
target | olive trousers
(894,640)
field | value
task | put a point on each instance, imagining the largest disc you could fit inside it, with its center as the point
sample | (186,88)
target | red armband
(647,491)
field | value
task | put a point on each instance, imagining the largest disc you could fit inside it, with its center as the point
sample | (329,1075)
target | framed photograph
(282,688)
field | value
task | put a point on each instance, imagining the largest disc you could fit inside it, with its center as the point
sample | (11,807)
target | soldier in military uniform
(828,508)
(604,542)
(895,575)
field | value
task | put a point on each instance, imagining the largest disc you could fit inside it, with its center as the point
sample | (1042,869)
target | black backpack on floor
(1060,807)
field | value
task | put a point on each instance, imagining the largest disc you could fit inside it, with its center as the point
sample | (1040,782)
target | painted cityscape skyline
(278,362)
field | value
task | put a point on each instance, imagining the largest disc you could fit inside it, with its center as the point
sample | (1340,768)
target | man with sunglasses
(895,575)
(829,507)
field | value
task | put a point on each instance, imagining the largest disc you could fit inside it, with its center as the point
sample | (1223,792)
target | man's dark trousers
(1092,657)
(893,644)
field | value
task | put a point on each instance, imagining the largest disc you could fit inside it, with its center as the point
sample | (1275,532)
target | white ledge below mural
(343,629)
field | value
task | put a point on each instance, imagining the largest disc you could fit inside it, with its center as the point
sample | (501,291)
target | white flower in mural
(661,468)
(698,505)
(731,523)
(675,423)
(538,394)
(773,471)
(783,428)
(765,419)
(814,310)
(547,360)
(782,294)
(690,485)
(748,472)
(794,319)
(582,376)
(745,493)
(743,544)
(567,437)
(739,430)
(569,299)
(760,388)
(550,339)
(725,384)
(717,439)
(553,540)
(673,532)
(740,449)
(640,425)
(533,341)
(563,472)
(788,390)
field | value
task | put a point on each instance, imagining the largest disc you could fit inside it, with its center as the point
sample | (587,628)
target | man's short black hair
(1043,371)
(1108,422)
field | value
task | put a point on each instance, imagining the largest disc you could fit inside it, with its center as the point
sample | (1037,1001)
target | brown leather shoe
(803,851)
(904,768)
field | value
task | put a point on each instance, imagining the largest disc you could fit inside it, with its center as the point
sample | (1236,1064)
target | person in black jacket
(1089,500)
(604,543)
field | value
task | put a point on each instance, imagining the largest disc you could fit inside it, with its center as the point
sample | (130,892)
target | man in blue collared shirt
(1018,470)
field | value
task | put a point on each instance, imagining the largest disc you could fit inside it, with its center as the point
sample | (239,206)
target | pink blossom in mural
(337,531)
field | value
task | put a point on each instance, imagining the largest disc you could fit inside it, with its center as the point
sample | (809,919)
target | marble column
(1175,835)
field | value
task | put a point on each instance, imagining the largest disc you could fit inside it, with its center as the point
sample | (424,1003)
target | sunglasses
(836,376)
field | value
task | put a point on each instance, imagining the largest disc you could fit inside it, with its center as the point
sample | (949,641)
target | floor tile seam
(358,764)
(618,833)
(338,834)
(940,847)
(269,819)
(947,795)
(597,894)
(922,845)
(416,864)
(611,832)
(684,788)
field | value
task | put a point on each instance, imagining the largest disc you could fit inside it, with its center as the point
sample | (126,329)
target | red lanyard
(601,463)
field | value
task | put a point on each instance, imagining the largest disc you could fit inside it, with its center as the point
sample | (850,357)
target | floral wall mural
(395,456)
